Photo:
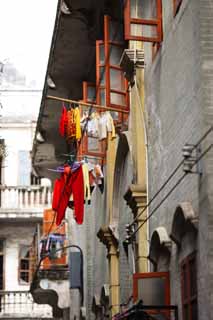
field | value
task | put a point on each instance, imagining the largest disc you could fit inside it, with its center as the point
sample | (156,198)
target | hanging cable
(170,177)
(170,192)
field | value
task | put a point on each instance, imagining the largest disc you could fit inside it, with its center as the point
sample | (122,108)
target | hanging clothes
(97,172)
(96,177)
(92,125)
(87,195)
(71,183)
(78,123)
(73,124)
(63,122)
(105,125)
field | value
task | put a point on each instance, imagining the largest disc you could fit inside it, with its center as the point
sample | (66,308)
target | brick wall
(179,95)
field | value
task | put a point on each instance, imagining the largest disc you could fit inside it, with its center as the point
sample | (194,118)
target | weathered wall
(178,100)
(125,216)
(206,190)
(15,235)
(95,263)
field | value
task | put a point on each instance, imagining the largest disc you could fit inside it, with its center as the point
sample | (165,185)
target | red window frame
(138,276)
(177,4)
(84,146)
(148,22)
(103,64)
(107,44)
(107,66)
(189,298)
(151,275)
(86,86)
(99,67)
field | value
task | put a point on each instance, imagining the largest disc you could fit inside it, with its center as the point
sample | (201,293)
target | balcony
(19,305)
(24,201)
(50,275)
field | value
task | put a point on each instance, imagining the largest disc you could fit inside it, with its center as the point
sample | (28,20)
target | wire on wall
(170,192)
(171,176)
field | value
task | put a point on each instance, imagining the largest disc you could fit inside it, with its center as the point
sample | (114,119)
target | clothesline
(96,106)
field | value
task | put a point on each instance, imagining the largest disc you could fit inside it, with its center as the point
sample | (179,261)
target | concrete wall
(206,191)
(17,127)
(14,236)
(178,100)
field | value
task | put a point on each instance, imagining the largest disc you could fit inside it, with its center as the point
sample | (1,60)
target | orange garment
(73,124)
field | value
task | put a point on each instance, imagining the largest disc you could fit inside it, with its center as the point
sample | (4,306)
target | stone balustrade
(19,304)
(13,197)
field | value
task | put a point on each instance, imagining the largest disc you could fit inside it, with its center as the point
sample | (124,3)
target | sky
(26,28)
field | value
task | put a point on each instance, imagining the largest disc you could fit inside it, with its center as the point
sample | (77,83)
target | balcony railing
(21,197)
(19,304)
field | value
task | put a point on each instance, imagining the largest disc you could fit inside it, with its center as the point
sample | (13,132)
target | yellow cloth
(78,123)
(87,194)
(113,127)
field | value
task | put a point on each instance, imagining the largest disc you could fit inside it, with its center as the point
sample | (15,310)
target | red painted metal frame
(188,300)
(177,4)
(148,22)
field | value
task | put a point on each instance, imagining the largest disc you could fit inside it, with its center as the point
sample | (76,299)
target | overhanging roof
(71,61)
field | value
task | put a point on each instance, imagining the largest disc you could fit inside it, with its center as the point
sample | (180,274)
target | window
(111,87)
(115,83)
(143,20)
(189,287)
(89,92)
(153,288)
(90,146)
(177,4)
(24,168)
(24,265)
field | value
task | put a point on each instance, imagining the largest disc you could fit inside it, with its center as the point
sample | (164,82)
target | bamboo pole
(92,105)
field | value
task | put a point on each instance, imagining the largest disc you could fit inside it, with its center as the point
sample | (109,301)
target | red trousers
(68,184)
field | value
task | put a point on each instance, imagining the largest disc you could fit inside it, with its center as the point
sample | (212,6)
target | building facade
(23,197)
(149,63)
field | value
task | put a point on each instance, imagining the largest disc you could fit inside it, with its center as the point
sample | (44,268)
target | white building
(22,197)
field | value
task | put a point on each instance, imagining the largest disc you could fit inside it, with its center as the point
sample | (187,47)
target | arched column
(136,198)
(160,249)
(184,219)
(108,238)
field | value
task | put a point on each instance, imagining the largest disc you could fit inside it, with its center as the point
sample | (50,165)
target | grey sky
(26,28)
